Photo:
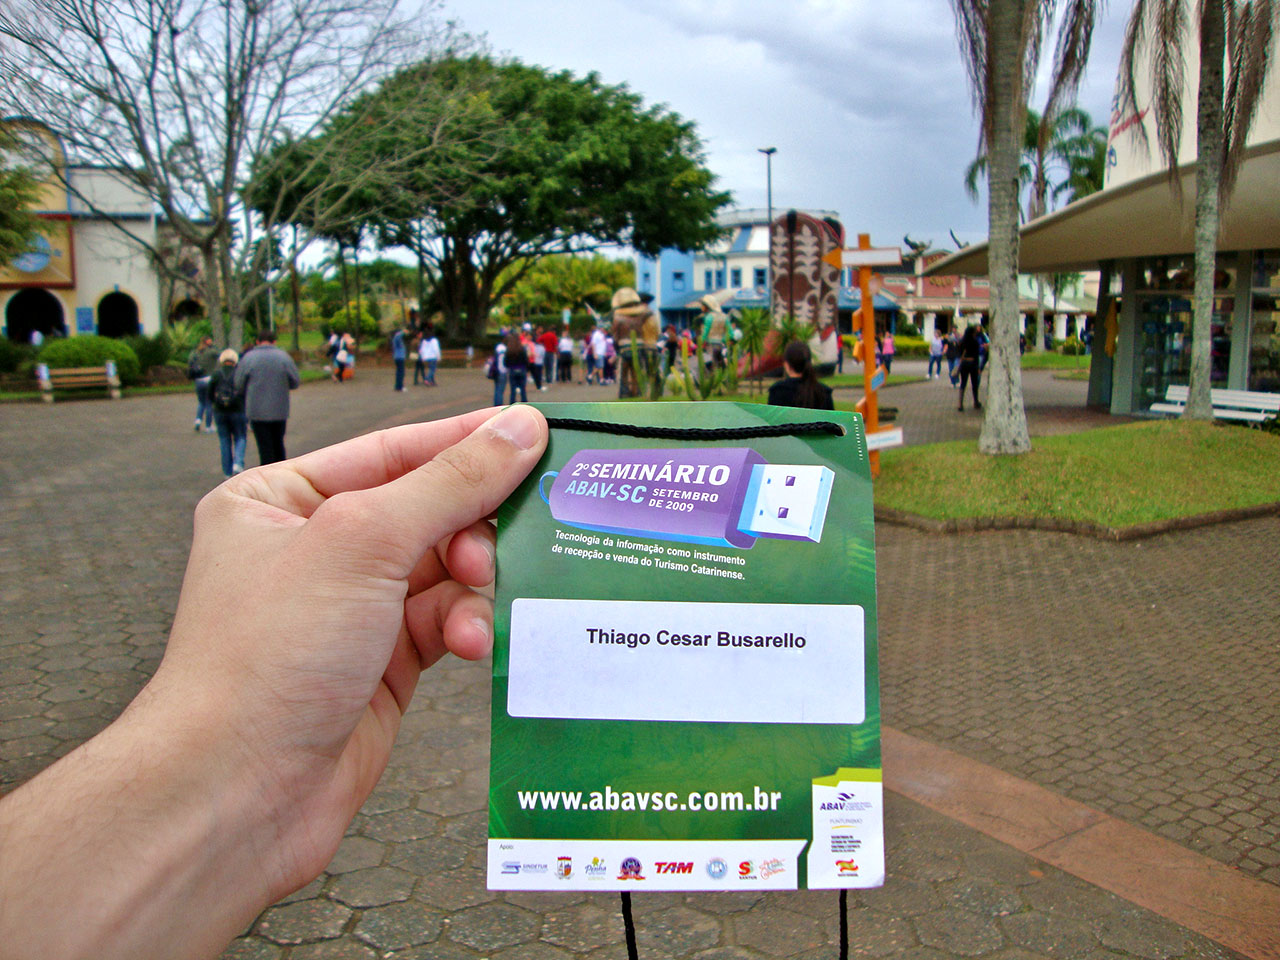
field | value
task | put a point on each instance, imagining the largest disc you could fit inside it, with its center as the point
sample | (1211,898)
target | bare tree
(188,101)
(1001,42)
(1237,42)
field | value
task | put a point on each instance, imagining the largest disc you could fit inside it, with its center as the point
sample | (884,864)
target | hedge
(92,351)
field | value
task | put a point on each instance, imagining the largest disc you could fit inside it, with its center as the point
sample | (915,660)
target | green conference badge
(685,677)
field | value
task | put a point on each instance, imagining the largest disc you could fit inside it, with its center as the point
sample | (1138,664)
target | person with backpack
(201,364)
(228,413)
(496,368)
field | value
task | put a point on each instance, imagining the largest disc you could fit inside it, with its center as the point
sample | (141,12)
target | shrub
(908,329)
(1071,347)
(910,346)
(360,325)
(151,351)
(14,355)
(92,351)
(185,335)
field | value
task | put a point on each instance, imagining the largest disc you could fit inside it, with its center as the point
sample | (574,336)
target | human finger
(449,618)
(384,455)
(471,553)
(451,491)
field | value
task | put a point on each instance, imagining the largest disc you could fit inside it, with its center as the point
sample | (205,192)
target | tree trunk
(355,263)
(1004,428)
(1209,140)
(346,290)
(297,305)
(1037,345)
(213,296)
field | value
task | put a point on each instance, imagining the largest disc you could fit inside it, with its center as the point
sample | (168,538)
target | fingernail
(517,426)
(482,627)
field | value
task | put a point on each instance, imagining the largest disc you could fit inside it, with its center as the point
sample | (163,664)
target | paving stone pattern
(1117,674)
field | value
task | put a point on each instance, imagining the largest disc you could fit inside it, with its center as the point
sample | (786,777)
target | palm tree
(1001,41)
(1086,165)
(1054,145)
(1236,45)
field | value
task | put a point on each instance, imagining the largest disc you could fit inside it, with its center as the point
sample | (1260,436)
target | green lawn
(856,380)
(1053,361)
(145,390)
(1116,477)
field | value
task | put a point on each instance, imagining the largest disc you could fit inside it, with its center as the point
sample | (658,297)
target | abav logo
(717,869)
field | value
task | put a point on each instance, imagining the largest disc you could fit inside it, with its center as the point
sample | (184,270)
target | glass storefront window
(1164,323)
(1264,342)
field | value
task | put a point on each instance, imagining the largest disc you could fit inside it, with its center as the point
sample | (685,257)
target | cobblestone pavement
(1140,678)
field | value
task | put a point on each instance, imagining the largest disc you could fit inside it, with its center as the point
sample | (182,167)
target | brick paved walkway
(1138,678)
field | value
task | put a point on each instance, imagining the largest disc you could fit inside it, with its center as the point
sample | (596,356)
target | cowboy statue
(631,315)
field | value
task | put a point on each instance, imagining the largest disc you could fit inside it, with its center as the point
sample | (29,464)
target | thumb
(390,527)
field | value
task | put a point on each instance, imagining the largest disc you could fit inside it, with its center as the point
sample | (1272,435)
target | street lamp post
(768,246)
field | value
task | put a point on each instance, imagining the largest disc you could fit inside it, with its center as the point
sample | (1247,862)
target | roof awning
(1140,219)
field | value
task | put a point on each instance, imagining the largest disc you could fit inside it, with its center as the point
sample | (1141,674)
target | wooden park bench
(1249,405)
(76,378)
(457,357)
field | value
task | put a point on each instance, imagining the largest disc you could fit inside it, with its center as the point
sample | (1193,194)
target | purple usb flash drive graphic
(725,496)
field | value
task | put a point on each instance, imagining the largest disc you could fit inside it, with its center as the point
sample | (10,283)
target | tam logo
(666,867)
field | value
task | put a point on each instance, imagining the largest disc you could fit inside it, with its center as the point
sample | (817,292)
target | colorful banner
(685,678)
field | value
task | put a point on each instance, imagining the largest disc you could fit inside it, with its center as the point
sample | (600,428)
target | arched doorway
(34,309)
(187,309)
(117,315)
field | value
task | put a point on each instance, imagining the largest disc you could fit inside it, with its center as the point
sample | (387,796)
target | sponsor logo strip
(643,864)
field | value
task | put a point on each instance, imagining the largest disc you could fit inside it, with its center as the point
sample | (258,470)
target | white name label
(710,662)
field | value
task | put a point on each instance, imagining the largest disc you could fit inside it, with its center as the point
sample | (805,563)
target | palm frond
(1135,35)
(1071,55)
(1251,32)
(972,22)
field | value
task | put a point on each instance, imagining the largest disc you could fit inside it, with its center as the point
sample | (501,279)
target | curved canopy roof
(1141,218)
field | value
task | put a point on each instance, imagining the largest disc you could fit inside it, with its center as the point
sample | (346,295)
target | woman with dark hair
(970,366)
(800,386)
(517,361)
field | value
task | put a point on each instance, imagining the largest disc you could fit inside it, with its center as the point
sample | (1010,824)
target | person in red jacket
(551,343)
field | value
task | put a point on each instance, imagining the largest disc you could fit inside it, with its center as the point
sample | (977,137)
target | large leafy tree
(578,164)
(1057,149)
(1236,44)
(565,280)
(187,99)
(1001,41)
(17,225)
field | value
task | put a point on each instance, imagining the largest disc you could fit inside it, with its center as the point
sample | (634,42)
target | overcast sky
(866,100)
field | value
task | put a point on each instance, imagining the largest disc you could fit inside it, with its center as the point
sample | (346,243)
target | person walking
(264,378)
(419,361)
(537,357)
(596,367)
(228,413)
(550,347)
(936,349)
(398,355)
(800,386)
(970,351)
(564,365)
(201,364)
(952,353)
(887,350)
(517,361)
(497,368)
(429,350)
(342,359)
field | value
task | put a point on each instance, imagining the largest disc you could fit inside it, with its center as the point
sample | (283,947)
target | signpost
(864,257)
